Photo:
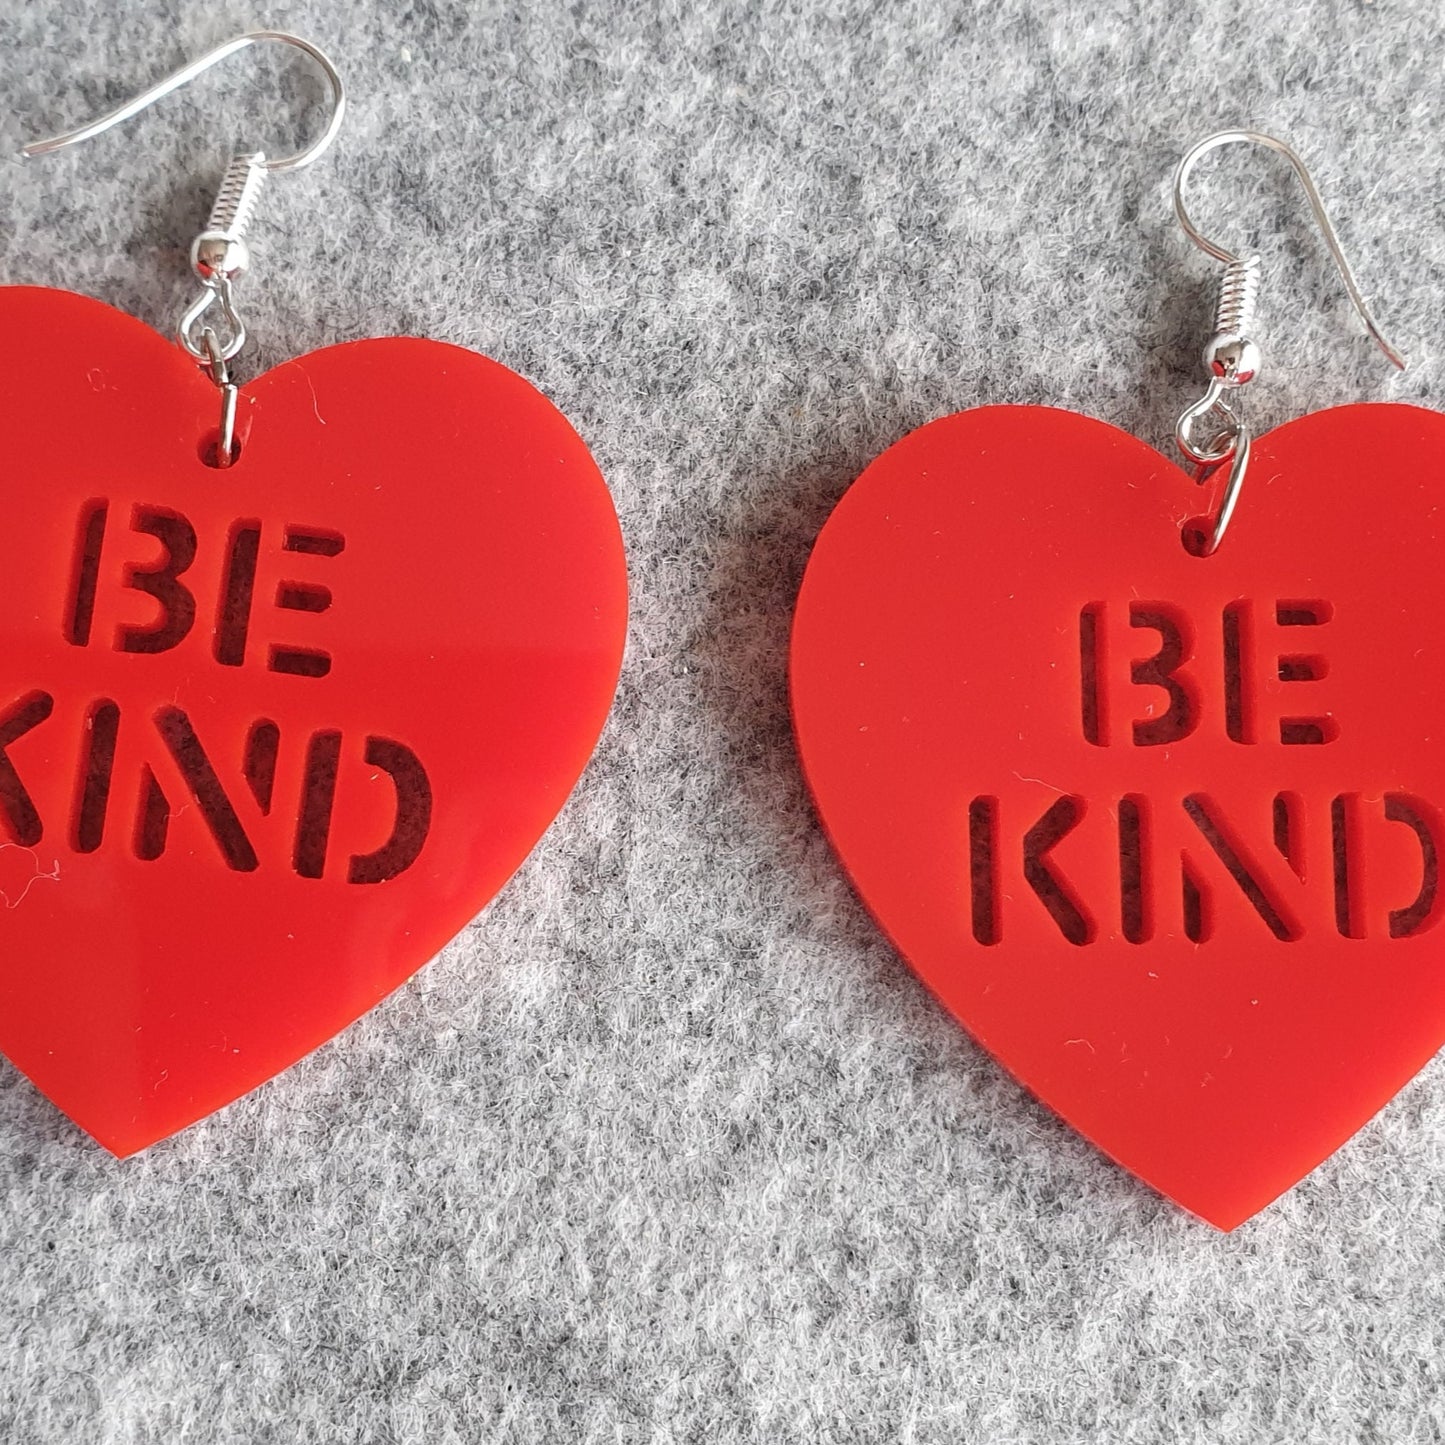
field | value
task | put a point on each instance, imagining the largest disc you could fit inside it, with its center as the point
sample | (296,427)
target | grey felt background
(669,1145)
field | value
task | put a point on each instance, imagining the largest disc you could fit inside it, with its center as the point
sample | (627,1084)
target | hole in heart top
(1195,535)
(210,452)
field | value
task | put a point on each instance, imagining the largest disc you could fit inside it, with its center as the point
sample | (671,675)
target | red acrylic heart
(1193,908)
(229,825)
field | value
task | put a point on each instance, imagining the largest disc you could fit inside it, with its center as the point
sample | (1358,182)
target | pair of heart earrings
(298,674)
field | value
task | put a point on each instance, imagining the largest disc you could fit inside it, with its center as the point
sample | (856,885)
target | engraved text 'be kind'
(1159,701)
(116,546)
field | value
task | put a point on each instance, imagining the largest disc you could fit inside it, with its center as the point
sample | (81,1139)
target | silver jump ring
(1237,460)
(216,363)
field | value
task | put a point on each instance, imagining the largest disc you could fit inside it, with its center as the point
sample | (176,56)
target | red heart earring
(286,698)
(1156,812)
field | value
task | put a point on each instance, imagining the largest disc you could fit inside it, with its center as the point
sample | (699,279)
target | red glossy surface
(408,518)
(1216,1042)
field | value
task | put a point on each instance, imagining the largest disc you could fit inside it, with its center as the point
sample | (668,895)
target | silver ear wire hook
(187,73)
(1317,208)
(1231,356)
(219,255)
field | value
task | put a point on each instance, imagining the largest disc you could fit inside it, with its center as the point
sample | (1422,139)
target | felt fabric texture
(669,1144)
